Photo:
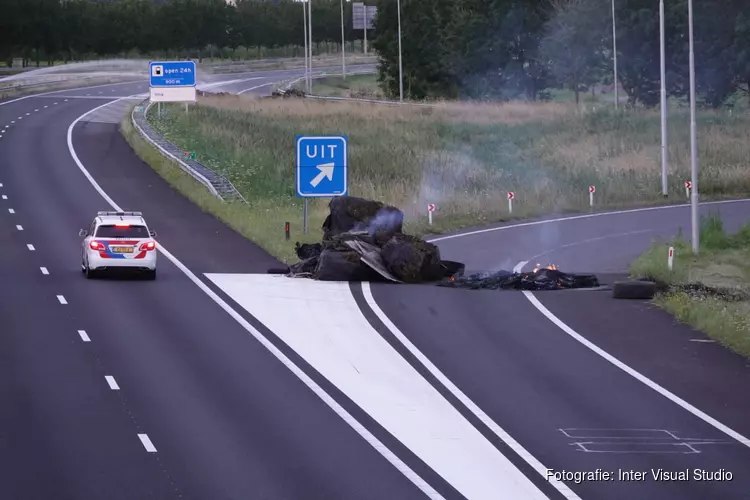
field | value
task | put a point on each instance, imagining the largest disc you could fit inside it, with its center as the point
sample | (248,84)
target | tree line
(504,49)
(520,48)
(66,30)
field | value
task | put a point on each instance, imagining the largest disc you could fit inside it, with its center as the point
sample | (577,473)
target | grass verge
(464,157)
(224,67)
(724,263)
(355,86)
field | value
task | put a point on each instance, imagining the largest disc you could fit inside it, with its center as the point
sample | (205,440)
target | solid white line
(578,217)
(630,371)
(69,90)
(147,443)
(474,408)
(708,341)
(84,335)
(30,247)
(61,299)
(310,383)
(44,270)
(20,228)
(256,87)
(10,210)
(112,383)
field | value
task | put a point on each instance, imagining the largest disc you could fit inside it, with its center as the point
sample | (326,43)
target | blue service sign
(321,166)
(172,74)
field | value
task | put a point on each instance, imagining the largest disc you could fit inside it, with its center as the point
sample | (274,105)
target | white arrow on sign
(326,170)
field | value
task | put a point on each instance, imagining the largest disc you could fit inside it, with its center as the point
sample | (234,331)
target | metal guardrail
(4,88)
(217,184)
(286,86)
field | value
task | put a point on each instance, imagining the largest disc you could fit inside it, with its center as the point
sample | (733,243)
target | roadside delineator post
(511,197)
(286,231)
(688,187)
(430,209)
(592,190)
(670,258)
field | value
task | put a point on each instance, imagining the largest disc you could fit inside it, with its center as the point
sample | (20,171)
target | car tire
(89,273)
(639,290)
(151,275)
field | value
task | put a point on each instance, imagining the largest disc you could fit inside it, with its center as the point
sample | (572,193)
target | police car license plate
(122,249)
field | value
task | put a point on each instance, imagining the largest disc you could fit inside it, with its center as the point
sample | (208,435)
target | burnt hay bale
(411,259)
(348,213)
(335,265)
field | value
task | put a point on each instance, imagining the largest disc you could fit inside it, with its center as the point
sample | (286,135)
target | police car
(118,240)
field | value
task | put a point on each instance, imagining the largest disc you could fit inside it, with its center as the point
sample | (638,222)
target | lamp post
(343,44)
(400,65)
(304,27)
(614,51)
(664,149)
(309,43)
(693,140)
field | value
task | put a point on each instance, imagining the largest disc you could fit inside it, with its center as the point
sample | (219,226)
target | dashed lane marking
(84,335)
(44,270)
(62,300)
(5,197)
(112,383)
(10,210)
(30,247)
(147,443)
(19,227)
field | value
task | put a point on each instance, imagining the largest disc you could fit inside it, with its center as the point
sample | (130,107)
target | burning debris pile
(363,241)
(540,278)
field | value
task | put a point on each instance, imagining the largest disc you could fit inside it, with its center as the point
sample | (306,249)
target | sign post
(172,81)
(511,197)
(592,190)
(362,18)
(430,209)
(321,169)
(688,187)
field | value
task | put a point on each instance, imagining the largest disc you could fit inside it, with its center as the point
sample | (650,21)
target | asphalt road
(197,407)
(226,419)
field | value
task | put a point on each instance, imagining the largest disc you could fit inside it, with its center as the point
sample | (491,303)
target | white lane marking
(5,197)
(68,90)
(20,228)
(112,383)
(708,341)
(12,121)
(578,217)
(67,100)
(310,383)
(147,443)
(84,335)
(10,210)
(30,247)
(19,118)
(331,333)
(1,136)
(627,369)
(473,407)
(256,87)
(27,114)
(44,270)
(36,110)
(54,103)
(62,300)
(46,107)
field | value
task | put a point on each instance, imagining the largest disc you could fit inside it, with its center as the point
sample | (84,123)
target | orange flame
(551,267)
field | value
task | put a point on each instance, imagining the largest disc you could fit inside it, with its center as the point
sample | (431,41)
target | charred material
(539,279)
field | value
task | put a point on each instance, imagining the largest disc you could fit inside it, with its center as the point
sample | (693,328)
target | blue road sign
(172,74)
(321,166)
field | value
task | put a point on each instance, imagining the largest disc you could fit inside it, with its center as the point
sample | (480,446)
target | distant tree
(573,43)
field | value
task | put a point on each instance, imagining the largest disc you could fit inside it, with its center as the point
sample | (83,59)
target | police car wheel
(151,275)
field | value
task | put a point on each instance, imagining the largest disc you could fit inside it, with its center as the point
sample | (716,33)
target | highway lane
(227,419)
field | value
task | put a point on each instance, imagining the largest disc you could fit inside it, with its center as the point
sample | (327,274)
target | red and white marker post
(511,197)
(592,190)
(670,258)
(430,209)
(688,187)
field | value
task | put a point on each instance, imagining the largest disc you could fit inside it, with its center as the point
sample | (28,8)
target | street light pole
(664,149)
(400,65)
(693,140)
(310,42)
(304,27)
(343,43)
(614,51)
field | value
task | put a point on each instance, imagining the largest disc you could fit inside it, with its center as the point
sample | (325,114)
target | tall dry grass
(464,157)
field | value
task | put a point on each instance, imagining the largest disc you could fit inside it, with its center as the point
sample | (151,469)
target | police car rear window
(112,231)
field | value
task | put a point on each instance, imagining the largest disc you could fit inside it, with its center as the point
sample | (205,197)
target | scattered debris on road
(541,278)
